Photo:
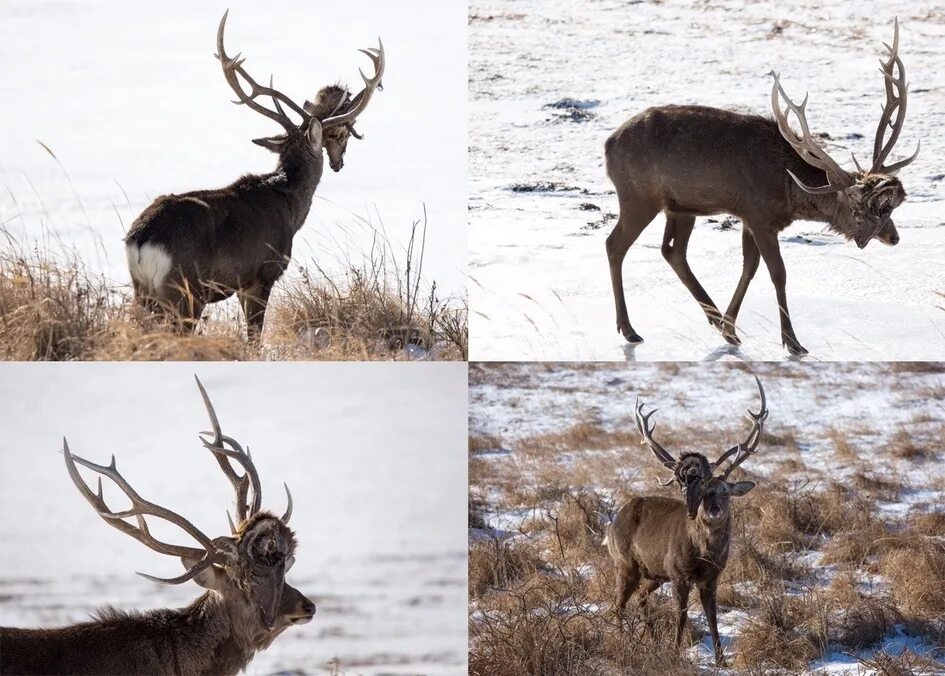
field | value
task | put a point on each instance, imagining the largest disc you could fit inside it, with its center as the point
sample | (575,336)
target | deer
(246,606)
(187,251)
(655,539)
(690,161)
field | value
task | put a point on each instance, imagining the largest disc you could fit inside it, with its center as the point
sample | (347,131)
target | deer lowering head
(326,123)
(248,602)
(655,540)
(690,161)
(865,198)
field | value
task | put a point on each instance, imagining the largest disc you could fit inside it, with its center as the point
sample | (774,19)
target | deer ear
(739,488)
(273,143)
(208,578)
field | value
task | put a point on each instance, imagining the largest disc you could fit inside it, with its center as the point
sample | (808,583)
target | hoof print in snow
(546,186)
(588,206)
(727,224)
(572,110)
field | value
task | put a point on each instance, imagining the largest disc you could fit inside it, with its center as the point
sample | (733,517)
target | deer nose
(308,608)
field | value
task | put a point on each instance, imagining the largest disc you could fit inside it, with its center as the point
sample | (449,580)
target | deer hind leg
(635,215)
(675,246)
(254,301)
(750,260)
(767,241)
(707,596)
(182,306)
(681,595)
(649,586)
(628,578)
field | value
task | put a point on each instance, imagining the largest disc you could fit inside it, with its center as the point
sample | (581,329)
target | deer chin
(888,234)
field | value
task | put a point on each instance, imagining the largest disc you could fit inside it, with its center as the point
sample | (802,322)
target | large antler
(140,508)
(241,483)
(805,145)
(360,101)
(646,430)
(897,92)
(750,444)
(234,66)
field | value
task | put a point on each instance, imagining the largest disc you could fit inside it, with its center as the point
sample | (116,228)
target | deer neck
(818,208)
(223,635)
(710,541)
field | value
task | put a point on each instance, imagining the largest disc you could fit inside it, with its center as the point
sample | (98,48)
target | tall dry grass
(54,307)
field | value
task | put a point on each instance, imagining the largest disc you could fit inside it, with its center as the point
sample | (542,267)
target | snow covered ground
(131,101)
(372,454)
(551,79)
(868,405)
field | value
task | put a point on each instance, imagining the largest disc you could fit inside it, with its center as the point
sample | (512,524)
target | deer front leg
(675,245)
(254,301)
(707,596)
(681,595)
(632,221)
(767,241)
(750,259)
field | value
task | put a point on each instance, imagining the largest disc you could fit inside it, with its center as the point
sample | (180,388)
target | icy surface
(551,79)
(372,454)
(131,101)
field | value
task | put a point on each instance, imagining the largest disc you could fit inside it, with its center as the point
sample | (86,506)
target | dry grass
(916,571)
(54,308)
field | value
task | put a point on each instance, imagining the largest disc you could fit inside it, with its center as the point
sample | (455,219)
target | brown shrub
(904,444)
(500,564)
(916,573)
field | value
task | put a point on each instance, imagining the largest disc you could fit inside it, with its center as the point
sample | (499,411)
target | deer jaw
(329,101)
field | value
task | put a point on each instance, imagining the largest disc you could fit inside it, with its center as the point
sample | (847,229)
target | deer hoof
(731,338)
(632,336)
(795,348)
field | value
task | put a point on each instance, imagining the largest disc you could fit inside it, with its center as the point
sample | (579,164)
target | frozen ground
(131,101)
(372,454)
(868,404)
(539,282)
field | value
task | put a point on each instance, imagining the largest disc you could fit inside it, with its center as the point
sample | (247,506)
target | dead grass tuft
(916,573)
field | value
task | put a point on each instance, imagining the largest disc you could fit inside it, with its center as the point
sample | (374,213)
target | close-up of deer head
(247,602)
(865,198)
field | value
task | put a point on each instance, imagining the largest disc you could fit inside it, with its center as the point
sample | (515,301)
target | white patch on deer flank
(149,265)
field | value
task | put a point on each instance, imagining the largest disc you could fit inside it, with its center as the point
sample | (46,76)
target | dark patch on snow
(572,110)
(937,177)
(588,206)
(546,186)
(727,224)
(604,219)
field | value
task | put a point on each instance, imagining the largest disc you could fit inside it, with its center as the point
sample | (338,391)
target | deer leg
(767,241)
(675,245)
(628,577)
(632,221)
(649,588)
(707,596)
(750,259)
(254,301)
(681,594)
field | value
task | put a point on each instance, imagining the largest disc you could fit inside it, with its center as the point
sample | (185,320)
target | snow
(539,285)
(132,103)
(369,451)
(867,403)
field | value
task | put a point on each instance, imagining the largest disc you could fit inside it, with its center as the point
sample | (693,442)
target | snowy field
(551,79)
(372,455)
(539,431)
(132,103)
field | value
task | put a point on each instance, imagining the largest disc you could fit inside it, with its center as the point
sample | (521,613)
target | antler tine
(139,509)
(359,103)
(288,509)
(897,92)
(805,145)
(241,483)
(750,445)
(234,66)
(643,425)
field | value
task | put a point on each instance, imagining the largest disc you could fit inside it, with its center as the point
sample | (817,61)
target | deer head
(246,569)
(326,123)
(865,199)
(705,484)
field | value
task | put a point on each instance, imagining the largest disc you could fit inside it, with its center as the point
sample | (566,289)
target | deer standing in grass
(686,542)
(246,606)
(690,161)
(185,251)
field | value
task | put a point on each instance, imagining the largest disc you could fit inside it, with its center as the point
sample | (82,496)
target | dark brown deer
(247,605)
(185,251)
(686,542)
(690,161)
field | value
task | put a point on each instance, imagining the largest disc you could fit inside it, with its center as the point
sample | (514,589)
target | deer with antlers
(686,542)
(185,251)
(690,161)
(246,606)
